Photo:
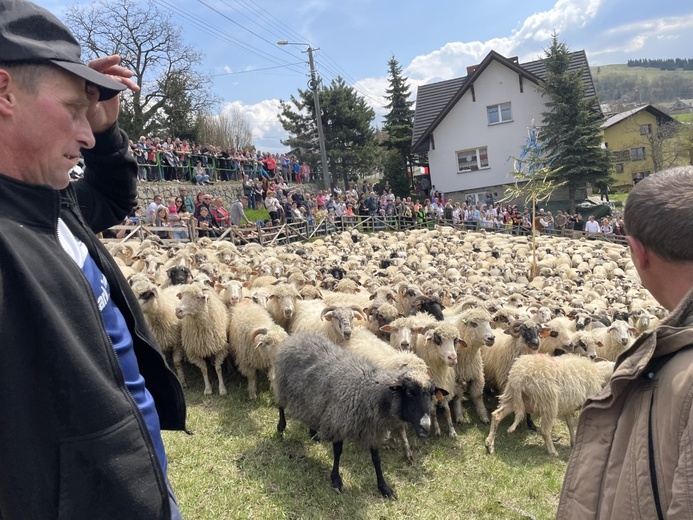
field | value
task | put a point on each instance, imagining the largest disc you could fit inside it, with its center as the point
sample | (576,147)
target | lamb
(204,328)
(253,340)
(522,337)
(312,376)
(550,387)
(159,309)
(474,326)
(437,347)
(613,340)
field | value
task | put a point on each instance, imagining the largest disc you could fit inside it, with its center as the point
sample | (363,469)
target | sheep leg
(530,424)
(434,418)
(457,408)
(281,425)
(202,365)
(570,421)
(385,490)
(496,417)
(405,441)
(448,418)
(218,362)
(252,383)
(335,477)
(545,431)
(178,364)
(476,392)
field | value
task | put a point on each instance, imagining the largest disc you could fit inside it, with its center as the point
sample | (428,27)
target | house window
(472,160)
(645,129)
(500,113)
(621,155)
(637,154)
(618,167)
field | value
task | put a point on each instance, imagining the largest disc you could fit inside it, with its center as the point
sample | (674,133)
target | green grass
(646,72)
(684,118)
(256,214)
(235,466)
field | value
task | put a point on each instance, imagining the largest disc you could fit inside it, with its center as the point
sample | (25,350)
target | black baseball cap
(30,34)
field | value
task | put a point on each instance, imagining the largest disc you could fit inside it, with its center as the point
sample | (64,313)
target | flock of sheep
(356,331)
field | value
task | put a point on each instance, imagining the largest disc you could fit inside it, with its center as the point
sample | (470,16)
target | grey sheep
(345,397)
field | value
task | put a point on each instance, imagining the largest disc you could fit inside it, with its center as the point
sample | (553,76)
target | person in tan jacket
(633,454)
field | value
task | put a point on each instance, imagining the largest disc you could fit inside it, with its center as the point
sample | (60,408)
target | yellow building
(642,141)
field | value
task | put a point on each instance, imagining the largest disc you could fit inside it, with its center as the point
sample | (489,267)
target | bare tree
(231,129)
(150,45)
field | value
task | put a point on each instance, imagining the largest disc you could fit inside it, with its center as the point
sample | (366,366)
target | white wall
(466,126)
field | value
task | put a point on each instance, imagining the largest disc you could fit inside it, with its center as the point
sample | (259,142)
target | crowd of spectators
(293,205)
(177,160)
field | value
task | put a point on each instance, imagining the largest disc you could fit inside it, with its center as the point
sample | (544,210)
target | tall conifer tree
(399,123)
(572,125)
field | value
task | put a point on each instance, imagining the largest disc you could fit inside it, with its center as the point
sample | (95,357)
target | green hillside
(621,83)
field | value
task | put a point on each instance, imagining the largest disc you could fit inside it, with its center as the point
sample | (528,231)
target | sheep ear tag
(440,394)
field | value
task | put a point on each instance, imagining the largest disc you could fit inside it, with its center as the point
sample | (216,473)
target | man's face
(51,127)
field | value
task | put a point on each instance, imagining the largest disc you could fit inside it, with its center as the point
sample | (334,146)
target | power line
(256,70)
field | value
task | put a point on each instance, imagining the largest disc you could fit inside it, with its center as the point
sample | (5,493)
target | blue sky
(432,40)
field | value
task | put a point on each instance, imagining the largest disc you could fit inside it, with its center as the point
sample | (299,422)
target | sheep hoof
(338,485)
(222,391)
(490,448)
(388,492)
(453,434)
(208,391)
(484,420)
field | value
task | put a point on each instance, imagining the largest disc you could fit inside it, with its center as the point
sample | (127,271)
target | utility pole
(314,85)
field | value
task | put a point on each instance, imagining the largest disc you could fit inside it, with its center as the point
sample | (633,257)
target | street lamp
(314,84)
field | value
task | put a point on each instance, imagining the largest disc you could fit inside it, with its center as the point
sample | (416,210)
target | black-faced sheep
(312,377)
(521,337)
(549,387)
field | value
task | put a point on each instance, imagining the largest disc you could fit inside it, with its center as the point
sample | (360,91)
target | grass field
(235,466)
(684,118)
(645,72)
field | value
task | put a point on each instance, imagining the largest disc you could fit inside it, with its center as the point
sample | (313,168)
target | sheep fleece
(335,392)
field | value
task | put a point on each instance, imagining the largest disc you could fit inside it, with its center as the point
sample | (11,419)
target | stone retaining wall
(229,191)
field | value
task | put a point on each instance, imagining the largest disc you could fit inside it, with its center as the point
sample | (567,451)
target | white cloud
(264,122)
(633,37)
(452,59)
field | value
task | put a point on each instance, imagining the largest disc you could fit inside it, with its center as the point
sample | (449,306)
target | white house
(472,128)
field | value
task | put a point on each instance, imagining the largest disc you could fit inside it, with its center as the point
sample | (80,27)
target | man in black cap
(84,389)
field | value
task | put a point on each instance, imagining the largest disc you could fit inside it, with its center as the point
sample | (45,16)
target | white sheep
(159,309)
(555,337)
(204,328)
(253,340)
(282,303)
(549,387)
(521,337)
(436,345)
(613,340)
(334,323)
(474,326)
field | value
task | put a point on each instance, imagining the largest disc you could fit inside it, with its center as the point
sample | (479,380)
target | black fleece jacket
(73,444)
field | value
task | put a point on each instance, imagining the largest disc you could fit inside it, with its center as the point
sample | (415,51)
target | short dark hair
(655,213)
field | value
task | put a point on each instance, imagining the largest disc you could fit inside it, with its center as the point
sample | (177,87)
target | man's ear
(7,98)
(639,253)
